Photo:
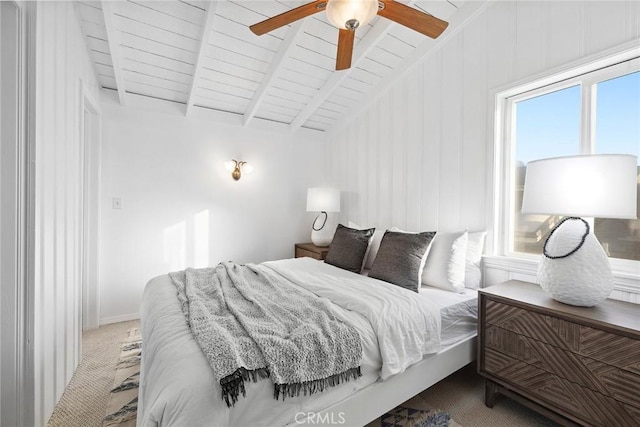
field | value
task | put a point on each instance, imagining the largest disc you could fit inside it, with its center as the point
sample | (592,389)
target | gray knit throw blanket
(252,324)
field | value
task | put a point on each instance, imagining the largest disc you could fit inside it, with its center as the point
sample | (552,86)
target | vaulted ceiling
(202,54)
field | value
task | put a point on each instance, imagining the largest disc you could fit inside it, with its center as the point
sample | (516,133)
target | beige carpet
(84,403)
(462,396)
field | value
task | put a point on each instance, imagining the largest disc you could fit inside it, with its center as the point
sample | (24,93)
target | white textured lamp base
(583,278)
(322,237)
(322,231)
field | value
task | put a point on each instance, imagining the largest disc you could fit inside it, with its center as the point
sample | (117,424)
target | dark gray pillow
(348,248)
(400,258)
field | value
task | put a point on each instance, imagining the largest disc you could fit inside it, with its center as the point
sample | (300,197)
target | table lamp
(323,200)
(574,268)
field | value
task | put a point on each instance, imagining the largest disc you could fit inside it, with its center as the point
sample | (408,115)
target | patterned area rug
(415,412)
(123,400)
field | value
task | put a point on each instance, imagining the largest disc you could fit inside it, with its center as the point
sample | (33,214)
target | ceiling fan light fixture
(351,14)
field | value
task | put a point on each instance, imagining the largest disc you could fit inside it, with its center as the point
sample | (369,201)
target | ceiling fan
(347,15)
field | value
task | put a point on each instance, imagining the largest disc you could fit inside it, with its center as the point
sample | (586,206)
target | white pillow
(475,245)
(445,266)
(374,245)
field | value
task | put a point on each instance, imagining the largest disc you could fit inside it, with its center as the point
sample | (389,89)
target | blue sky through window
(618,116)
(549,125)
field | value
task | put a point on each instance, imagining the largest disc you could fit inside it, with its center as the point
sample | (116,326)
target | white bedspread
(177,387)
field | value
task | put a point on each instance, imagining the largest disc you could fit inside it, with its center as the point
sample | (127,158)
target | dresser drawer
(590,406)
(603,346)
(576,365)
(620,384)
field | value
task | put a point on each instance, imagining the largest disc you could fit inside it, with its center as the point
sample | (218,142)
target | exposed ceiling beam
(287,44)
(207,26)
(84,37)
(371,39)
(458,21)
(114,47)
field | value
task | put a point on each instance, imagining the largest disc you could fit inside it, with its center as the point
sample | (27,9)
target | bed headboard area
(452,260)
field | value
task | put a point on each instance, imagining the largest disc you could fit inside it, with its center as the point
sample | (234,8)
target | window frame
(587,74)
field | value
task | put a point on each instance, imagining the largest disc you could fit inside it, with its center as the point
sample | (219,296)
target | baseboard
(116,319)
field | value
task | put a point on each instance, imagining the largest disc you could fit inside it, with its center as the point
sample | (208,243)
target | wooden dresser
(575,365)
(310,250)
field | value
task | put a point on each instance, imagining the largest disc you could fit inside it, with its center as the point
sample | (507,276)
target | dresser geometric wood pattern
(573,364)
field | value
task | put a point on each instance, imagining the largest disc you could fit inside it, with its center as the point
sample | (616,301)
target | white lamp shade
(341,11)
(599,186)
(321,199)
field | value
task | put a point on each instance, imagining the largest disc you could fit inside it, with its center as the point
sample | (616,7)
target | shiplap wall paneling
(562,45)
(370,168)
(14,332)
(431,101)
(45,317)
(61,61)
(450,126)
(451,152)
(358,157)
(382,213)
(501,44)
(397,160)
(473,127)
(351,171)
(602,14)
(413,91)
(530,50)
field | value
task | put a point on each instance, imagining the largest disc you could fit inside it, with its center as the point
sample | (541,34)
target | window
(617,130)
(593,111)
(547,125)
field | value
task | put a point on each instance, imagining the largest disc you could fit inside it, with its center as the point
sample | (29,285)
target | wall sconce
(237,167)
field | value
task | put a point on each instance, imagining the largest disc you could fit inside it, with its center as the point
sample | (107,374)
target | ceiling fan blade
(288,17)
(345,49)
(413,18)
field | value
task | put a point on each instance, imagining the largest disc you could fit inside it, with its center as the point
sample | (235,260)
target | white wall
(181,208)
(420,156)
(61,61)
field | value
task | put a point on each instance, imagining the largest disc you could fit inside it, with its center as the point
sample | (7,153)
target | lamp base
(321,237)
(321,233)
(584,277)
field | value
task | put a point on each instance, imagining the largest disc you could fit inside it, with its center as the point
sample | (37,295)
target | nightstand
(575,365)
(310,250)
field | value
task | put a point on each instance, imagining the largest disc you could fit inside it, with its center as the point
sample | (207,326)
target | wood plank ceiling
(202,54)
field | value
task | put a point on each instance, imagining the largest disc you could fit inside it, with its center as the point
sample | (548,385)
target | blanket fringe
(232,385)
(315,386)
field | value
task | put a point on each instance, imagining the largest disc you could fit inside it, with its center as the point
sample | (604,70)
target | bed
(177,386)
